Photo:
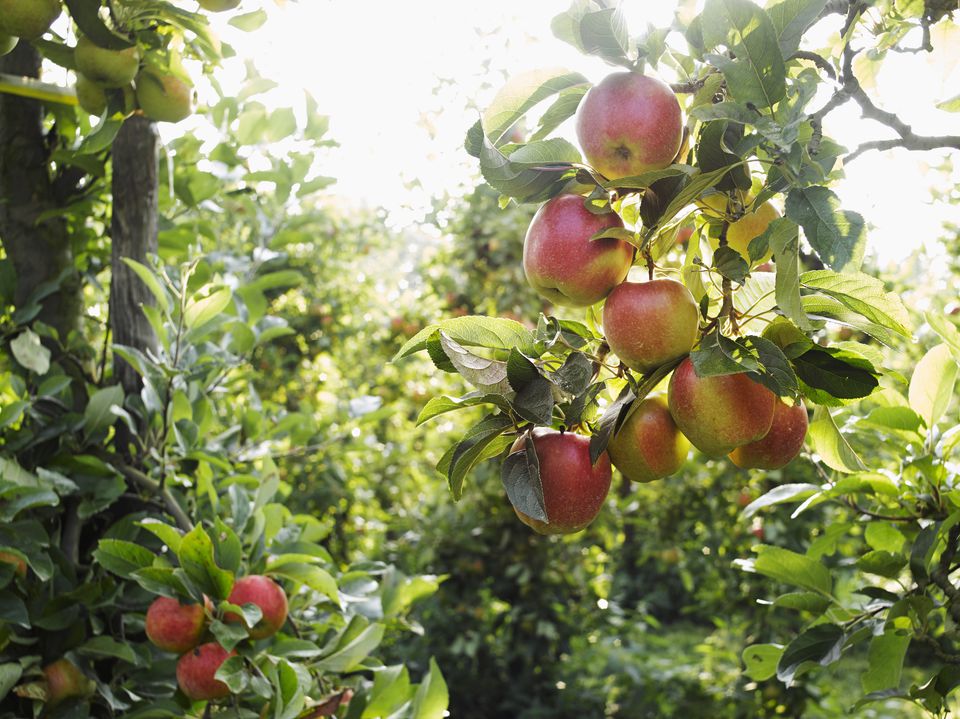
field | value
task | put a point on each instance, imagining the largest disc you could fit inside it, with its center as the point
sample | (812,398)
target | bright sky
(396,79)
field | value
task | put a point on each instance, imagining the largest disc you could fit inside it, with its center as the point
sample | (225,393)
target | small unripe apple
(629,124)
(90,96)
(573,489)
(164,98)
(19,565)
(751,225)
(107,68)
(266,594)
(780,445)
(718,414)
(218,5)
(65,681)
(563,264)
(27,18)
(648,446)
(175,627)
(7,43)
(648,324)
(196,670)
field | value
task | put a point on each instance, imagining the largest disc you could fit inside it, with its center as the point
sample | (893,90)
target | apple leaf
(534,172)
(196,555)
(791,568)
(30,352)
(947,331)
(730,264)
(821,644)
(838,373)
(761,660)
(562,109)
(791,19)
(432,697)
(932,383)
(824,307)
(482,441)
(832,447)
(863,294)
(838,236)
(86,14)
(496,333)
(885,659)
(595,32)
(520,475)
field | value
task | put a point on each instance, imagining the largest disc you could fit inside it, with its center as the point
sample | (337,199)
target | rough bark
(40,251)
(133,230)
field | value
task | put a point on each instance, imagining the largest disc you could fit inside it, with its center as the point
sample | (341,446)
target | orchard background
(212,370)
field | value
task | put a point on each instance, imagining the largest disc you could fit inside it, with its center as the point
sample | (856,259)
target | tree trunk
(133,230)
(40,251)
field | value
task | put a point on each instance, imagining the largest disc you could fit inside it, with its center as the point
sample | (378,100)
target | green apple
(27,18)
(164,98)
(107,68)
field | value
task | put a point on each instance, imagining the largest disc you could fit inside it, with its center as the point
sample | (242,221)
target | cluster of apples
(627,125)
(181,629)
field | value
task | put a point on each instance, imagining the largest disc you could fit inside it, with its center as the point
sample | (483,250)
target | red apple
(683,235)
(629,124)
(780,445)
(648,324)
(648,446)
(719,414)
(196,670)
(573,489)
(561,262)
(175,627)
(65,681)
(266,594)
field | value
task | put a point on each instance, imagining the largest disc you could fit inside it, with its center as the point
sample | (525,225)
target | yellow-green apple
(90,96)
(744,230)
(196,670)
(27,18)
(65,681)
(175,627)
(218,5)
(573,488)
(266,594)
(648,446)
(18,562)
(563,264)
(107,68)
(164,98)
(648,324)
(718,414)
(629,124)
(7,43)
(780,445)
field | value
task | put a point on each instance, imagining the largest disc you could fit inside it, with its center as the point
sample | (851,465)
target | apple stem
(727,309)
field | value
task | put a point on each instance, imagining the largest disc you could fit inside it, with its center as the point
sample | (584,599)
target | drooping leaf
(838,236)
(832,446)
(520,475)
(821,644)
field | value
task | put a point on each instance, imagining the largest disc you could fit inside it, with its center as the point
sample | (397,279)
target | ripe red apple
(266,594)
(648,446)
(107,68)
(164,98)
(780,445)
(175,627)
(629,124)
(561,262)
(19,565)
(573,489)
(27,18)
(683,235)
(719,414)
(65,681)
(196,670)
(648,324)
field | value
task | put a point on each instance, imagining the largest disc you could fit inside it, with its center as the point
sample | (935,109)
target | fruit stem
(727,309)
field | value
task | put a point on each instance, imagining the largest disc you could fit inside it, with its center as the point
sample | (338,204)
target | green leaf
(86,14)
(718,355)
(520,475)
(863,294)
(30,353)
(200,310)
(98,414)
(13,610)
(575,374)
(437,406)
(432,697)
(562,109)
(487,375)
(882,563)
(782,237)
(885,537)
(312,576)
(248,22)
(803,602)
(10,674)
(108,647)
(730,264)
(824,307)
(150,280)
(791,19)
(778,495)
(820,644)
(950,105)
(496,333)
(932,383)
(827,441)
(761,660)
(197,559)
(837,236)
(391,690)
(758,74)
(885,659)
(102,136)
(792,568)
(691,190)
(121,557)
(523,92)
(947,331)
(347,657)
(840,374)
(169,535)
(476,445)
(535,172)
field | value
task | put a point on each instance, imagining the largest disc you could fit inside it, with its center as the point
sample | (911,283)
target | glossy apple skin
(751,225)
(106,68)
(164,98)
(719,414)
(27,18)
(573,489)
(561,262)
(64,681)
(649,446)
(196,670)
(780,445)
(175,627)
(648,324)
(629,124)
(266,594)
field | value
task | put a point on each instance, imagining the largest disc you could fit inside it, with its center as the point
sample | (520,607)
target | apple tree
(151,563)
(694,230)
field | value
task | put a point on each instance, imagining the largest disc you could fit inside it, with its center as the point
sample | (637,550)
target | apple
(107,68)
(175,627)
(683,235)
(780,445)
(7,43)
(719,414)
(648,324)
(573,489)
(561,262)
(266,594)
(90,96)
(196,670)
(648,446)
(27,18)
(744,230)
(629,124)
(65,681)
(164,98)
(218,5)
(18,562)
